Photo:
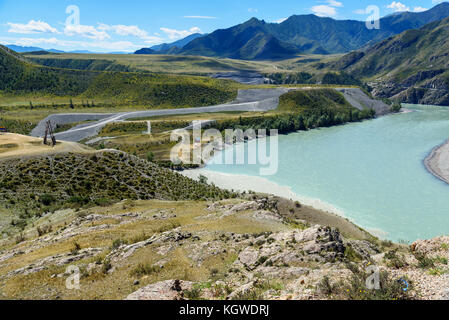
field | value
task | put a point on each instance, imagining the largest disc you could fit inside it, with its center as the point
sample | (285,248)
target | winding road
(252,100)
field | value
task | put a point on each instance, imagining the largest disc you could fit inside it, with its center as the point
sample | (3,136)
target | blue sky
(109,26)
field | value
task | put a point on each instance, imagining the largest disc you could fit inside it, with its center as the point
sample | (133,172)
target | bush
(44,230)
(193,294)
(424,261)
(144,269)
(326,287)
(76,248)
(117,243)
(47,199)
(390,289)
(106,266)
(150,156)
(396,107)
(395,260)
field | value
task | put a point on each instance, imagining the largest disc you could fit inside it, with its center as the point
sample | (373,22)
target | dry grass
(119,284)
(15,145)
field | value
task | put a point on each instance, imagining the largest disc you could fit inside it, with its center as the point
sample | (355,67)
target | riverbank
(437,163)
(314,211)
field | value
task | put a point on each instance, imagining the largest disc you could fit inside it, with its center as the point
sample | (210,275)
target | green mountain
(256,39)
(411,67)
(249,40)
(145,51)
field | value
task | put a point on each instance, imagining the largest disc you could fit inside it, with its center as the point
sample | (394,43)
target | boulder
(164,290)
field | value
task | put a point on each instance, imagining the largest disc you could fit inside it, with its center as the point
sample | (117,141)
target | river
(371,172)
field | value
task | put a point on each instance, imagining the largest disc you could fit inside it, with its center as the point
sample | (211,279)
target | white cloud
(419,9)
(179,34)
(123,30)
(334,3)
(135,31)
(328,10)
(398,7)
(199,17)
(253,10)
(324,11)
(31,27)
(85,31)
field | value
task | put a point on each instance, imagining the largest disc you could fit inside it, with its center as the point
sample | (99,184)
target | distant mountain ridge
(177,44)
(23,49)
(257,39)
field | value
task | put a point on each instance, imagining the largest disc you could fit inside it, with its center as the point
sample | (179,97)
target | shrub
(150,156)
(47,199)
(106,266)
(326,287)
(424,261)
(396,107)
(44,230)
(76,248)
(390,289)
(394,260)
(144,269)
(117,243)
(193,294)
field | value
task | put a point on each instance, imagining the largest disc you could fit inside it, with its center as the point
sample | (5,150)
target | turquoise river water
(372,172)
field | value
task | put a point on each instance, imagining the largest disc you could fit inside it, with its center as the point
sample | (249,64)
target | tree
(71,104)
(396,107)
(150,156)
(202,179)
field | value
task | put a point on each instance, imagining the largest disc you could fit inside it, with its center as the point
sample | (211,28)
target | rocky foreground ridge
(253,248)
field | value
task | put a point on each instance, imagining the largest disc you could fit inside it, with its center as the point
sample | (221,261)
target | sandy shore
(438,162)
(257,184)
(321,212)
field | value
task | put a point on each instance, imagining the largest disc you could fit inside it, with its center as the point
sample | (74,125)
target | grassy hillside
(193,65)
(302,100)
(161,90)
(18,77)
(33,186)
(79,64)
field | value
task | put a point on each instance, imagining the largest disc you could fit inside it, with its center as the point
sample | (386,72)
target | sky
(125,26)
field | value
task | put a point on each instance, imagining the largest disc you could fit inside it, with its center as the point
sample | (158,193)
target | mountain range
(411,67)
(257,39)
(22,49)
